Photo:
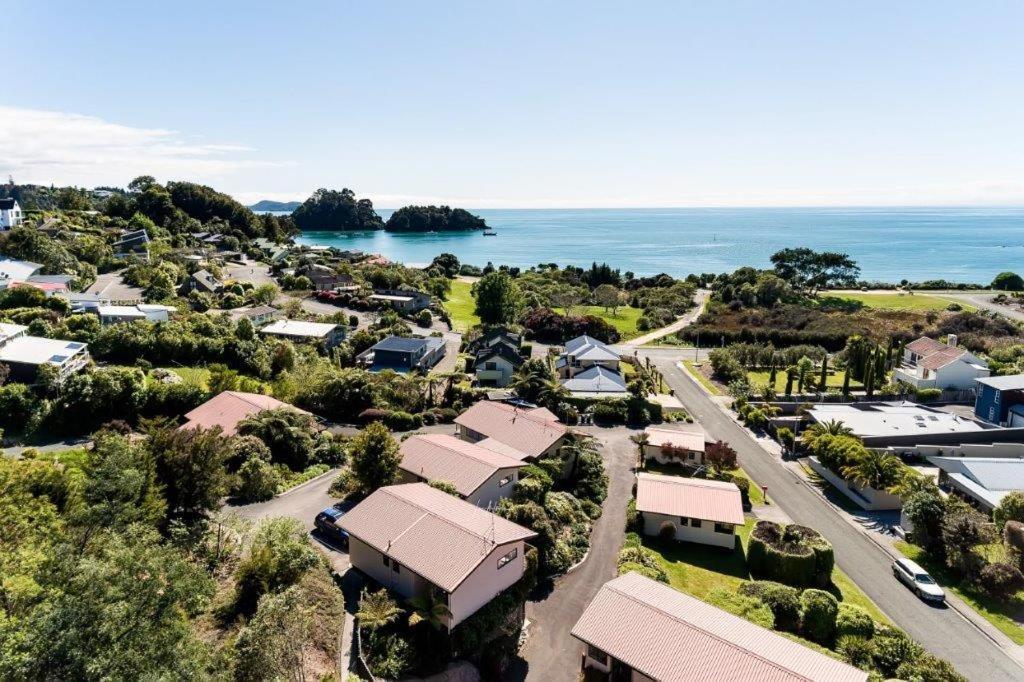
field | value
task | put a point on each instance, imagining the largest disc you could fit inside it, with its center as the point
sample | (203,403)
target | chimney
(951,340)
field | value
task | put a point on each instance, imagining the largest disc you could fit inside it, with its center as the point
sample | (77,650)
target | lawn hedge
(793,555)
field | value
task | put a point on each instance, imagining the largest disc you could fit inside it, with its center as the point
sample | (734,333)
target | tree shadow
(846,305)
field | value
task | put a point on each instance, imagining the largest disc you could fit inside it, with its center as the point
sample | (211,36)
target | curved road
(941,630)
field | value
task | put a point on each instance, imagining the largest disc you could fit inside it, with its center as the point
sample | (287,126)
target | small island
(433,219)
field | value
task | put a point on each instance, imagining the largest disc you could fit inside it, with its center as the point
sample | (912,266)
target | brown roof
(694,498)
(229,408)
(941,358)
(439,456)
(531,431)
(436,535)
(502,449)
(670,636)
(690,437)
(925,346)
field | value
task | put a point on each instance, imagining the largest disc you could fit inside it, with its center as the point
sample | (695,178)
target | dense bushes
(783,600)
(853,620)
(818,613)
(547,326)
(793,555)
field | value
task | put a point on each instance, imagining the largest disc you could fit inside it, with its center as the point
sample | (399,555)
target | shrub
(725,366)
(857,650)
(892,648)
(818,612)
(1010,508)
(529,490)
(402,421)
(257,480)
(783,600)
(1001,579)
(646,571)
(632,516)
(924,395)
(372,414)
(743,483)
(538,472)
(424,319)
(667,531)
(929,668)
(749,608)
(793,555)
(353,321)
(607,414)
(853,620)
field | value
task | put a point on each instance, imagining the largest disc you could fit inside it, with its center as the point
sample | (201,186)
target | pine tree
(846,382)
(824,374)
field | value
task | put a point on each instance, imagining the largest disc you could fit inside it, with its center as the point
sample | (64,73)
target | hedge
(818,612)
(783,600)
(853,620)
(792,555)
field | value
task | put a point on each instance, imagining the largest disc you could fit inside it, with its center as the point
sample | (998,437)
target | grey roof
(597,379)
(500,349)
(400,344)
(50,279)
(1012,382)
(6,204)
(588,348)
(987,478)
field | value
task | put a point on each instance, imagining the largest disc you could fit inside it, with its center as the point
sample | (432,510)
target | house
(889,423)
(482,476)
(26,354)
(1000,400)
(114,314)
(585,352)
(134,243)
(323,277)
(48,288)
(402,300)
(10,214)
(13,270)
(404,354)
(321,332)
(415,540)
(533,432)
(258,315)
(202,281)
(229,409)
(640,629)
(496,364)
(698,510)
(63,280)
(676,444)
(982,481)
(81,302)
(495,335)
(597,382)
(927,363)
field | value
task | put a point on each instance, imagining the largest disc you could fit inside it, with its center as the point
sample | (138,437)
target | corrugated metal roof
(694,498)
(438,536)
(440,456)
(531,431)
(690,436)
(670,637)
(228,409)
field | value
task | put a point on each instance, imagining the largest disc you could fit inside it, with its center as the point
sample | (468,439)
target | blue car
(326,522)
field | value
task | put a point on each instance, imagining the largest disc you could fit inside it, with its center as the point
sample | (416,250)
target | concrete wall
(1014,450)
(865,498)
(705,535)
(487,581)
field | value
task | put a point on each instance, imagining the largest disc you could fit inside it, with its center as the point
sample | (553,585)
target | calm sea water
(889,244)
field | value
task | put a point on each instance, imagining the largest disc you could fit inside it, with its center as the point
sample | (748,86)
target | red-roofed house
(702,511)
(639,629)
(676,444)
(535,432)
(228,409)
(414,539)
(482,476)
(928,363)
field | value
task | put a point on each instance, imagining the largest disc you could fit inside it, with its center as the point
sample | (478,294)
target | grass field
(758,378)
(703,380)
(624,321)
(197,376)
(698,569)
(460,305)
(1005,614)
(894,301)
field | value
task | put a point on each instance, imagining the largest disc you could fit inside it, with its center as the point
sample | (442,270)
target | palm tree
(911,483)
(832,427)
(428,607)
(641,439)
(875,469)
(377,609)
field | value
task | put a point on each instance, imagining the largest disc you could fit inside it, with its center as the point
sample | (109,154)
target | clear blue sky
(526,103)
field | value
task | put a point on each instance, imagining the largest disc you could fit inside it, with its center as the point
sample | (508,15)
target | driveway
(551,654)
(250,271)
(942,631)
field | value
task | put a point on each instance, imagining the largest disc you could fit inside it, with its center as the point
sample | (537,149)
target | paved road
(551,654)
(941,630)
(984,300)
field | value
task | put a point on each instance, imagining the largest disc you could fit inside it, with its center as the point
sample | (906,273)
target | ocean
(889,244)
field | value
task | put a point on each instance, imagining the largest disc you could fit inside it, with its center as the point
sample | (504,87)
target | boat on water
(490,233)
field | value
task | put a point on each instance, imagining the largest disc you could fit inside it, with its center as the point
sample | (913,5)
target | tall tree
(373,458)
(809,270)
(498,299)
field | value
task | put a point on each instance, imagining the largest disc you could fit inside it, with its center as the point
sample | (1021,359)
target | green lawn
(697,569)
(460,305)
(1005,614)
(197,376)
(759,377)
(896,301)
(703,380)
(624,321)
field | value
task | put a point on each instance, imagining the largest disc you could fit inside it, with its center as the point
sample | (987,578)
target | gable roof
(438,536)
(694,498)
(689,436)
(439,456)
(670,636)
(531,431)
(228,409)
(925,346)
(588,348)
(500,348)
(13,268)
(7,203)
(596,379)
(206,280)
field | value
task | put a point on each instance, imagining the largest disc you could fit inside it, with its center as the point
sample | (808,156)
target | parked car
(326,522)
(917,579)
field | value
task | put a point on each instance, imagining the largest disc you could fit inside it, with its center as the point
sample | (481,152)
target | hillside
(266,205)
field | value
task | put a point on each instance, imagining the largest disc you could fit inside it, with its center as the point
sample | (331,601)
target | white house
(698,510)
(597,382)
(414,540)
(928,363)
(297,330)
(10,214)
(24,354)
(114,314)
(585,352)
(640,630)
(676,444)
(483,477)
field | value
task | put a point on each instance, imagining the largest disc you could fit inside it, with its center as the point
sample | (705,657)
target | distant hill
(267,205)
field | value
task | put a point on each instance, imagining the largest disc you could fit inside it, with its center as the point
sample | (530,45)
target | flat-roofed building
(26,354)
(329,335)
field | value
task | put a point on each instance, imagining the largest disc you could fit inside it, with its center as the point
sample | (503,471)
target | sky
(524,104)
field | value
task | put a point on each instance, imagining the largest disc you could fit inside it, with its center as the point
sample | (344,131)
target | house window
(683,521)
(692,455)
(387,561)
(508,557)
(505,481)
(723,528)
(491,365)
(395,567)
(695,523)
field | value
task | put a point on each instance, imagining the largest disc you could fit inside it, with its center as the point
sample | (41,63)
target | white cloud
(64,148)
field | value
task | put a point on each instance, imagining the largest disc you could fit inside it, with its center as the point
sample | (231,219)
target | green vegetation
(624,319)
(918,302)
(695,371)
(333,210)
(432,219)
(759,378)
(461,306)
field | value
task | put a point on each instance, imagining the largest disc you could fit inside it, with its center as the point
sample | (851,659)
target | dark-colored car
(327,523)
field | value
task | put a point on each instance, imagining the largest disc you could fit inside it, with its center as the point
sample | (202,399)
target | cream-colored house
(414,540)
(698,510)
(483,477)
(534,432)
(676,444)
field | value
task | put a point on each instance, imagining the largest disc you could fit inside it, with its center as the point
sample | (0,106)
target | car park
(917,579)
